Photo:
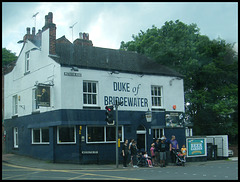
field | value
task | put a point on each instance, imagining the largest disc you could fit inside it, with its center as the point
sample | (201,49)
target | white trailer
(222,144)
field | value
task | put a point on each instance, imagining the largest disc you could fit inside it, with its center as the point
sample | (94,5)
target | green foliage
(7,57)
(210,69)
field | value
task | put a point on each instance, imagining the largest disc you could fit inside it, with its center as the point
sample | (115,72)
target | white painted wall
(72,89)
(42,70)
(67,92)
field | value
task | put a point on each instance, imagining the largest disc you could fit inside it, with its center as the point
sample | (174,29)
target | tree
(210,69)
(7,57)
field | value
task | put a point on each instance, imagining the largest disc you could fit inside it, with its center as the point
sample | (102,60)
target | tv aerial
(72,29)
(34,16)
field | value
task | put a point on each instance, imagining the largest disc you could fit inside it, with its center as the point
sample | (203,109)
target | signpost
(116,106)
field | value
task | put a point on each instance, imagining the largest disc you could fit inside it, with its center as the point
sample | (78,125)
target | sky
(109,23)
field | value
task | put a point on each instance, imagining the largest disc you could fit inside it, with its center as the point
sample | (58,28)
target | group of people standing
(163,149)
(160,151)
(130,151)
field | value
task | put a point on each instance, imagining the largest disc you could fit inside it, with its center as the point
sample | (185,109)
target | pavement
(24,161)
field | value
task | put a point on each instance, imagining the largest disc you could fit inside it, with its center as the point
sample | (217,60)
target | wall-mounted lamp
(148,115)
(174,107)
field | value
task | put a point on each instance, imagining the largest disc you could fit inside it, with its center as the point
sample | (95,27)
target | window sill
(158,109)
(67,143)
(15,116)
(36,112)
(91,107)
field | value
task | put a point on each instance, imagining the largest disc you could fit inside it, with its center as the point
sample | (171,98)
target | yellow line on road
(108,177)
(69,171)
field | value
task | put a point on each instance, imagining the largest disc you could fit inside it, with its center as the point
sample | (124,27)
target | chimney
(28,36)
(83,40)
(52,32)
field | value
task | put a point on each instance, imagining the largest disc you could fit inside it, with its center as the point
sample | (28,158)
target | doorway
(141,138)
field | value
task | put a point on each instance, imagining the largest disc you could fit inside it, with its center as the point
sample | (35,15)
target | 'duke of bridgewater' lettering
(126,101)
(120,86)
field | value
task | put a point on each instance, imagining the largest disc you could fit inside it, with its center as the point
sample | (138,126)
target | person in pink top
(152,153)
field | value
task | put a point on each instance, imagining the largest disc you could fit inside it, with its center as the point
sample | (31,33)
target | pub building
(56,94)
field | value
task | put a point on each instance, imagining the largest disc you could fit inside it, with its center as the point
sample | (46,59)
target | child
(148,159)
(184,152)
(152,153)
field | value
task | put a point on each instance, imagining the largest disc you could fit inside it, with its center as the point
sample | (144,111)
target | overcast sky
(110,23)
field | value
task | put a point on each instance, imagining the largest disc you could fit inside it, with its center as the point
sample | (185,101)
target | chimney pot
(33,30)
(46,20)
(81,35)
(85,36)
(28,30)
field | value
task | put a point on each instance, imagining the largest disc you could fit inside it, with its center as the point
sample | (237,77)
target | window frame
(158,133)
(40,136)
(159,87)
(27,62)
(15,105)
(105,134)
(15,137)
(74,135)
(90,93)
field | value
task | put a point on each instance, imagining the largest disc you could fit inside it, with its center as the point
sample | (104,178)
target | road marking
(109,177)
(67,171)
(204,175)
(20,175)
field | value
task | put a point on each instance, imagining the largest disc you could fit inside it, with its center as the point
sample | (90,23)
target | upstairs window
(89,93)
(27,60)
(15,105)
(156,92)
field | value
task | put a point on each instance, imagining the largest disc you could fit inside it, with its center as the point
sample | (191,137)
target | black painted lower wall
(72,153)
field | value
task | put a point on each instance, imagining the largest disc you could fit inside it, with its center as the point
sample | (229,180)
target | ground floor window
(188,131)
(103,134)
(15,140)
(40,136)
(66,134)
(158,133)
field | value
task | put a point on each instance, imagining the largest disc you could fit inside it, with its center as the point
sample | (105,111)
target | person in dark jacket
(134,153)
(125,153)
(157,150)
(162,152)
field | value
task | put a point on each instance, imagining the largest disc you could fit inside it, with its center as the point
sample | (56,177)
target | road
(216,170)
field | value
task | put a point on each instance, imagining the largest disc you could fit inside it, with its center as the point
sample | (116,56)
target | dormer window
(27,60)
